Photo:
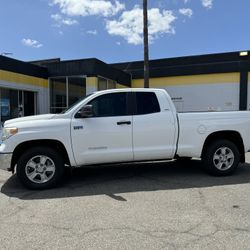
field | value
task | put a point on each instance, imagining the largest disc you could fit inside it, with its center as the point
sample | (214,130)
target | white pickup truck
(122,125)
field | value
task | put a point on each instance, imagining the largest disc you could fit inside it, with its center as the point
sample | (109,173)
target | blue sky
(111,29)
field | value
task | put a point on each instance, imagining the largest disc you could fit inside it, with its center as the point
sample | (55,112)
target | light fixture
(244,53)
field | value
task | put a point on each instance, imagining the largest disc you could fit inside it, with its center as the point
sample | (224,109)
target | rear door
(154,127)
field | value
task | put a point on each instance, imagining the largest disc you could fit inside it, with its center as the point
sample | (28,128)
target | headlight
(8,132)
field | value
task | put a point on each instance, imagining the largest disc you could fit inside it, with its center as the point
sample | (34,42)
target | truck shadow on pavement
(115,180)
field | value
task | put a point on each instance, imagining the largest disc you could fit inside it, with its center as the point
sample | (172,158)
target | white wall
(203,97)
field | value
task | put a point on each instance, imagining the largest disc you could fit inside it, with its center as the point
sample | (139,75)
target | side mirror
(85,112)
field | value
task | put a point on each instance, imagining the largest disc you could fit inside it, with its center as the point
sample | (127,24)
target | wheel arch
(22,147)
(229,135)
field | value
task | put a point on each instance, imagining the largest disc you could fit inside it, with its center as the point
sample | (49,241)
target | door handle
(124,122)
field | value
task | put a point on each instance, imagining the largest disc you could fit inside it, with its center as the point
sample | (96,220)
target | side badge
(78,127)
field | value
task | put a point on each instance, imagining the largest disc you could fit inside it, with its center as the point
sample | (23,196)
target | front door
(107,136)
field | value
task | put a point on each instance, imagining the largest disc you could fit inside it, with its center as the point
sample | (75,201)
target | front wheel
(221,157)
(40,168)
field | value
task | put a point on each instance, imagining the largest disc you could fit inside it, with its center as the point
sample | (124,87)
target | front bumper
(5,161)
(5,157)
(5,149)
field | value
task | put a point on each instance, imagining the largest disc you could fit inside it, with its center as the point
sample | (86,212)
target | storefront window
(111,84)
(104,83)
(77,89)
(65,91)
(58,93)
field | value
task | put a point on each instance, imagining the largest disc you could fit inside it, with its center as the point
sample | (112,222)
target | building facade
(217,82)
(23,89)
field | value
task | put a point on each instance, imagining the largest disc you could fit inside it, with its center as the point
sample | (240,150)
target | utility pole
(146,53)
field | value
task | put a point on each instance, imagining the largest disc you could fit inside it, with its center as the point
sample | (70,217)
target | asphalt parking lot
(136,206)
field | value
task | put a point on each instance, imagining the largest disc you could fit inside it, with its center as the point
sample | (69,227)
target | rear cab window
(146,103)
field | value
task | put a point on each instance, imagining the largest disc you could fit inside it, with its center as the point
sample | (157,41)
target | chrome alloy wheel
(223,158)
(40,169)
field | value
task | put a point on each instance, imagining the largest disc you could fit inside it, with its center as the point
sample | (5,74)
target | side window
(114,104)
(146,103)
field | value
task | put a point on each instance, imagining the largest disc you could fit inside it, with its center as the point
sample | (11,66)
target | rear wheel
(221,157)
(40,168)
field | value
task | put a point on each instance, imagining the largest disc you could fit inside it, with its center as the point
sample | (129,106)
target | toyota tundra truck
(122,125)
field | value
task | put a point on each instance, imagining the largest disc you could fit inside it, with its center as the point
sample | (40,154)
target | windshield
(74,104)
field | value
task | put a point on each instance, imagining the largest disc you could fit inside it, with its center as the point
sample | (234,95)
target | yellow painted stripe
(138,83)
(189,80)
(249,77)
(91,82)
(120,86)
(17,78)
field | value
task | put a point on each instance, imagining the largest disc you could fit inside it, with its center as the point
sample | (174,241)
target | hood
(29,118)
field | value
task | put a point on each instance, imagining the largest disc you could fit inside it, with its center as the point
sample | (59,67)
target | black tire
(221,158)
(53,161)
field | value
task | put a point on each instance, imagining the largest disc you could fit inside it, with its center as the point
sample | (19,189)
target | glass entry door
(16,103)
(29,103)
